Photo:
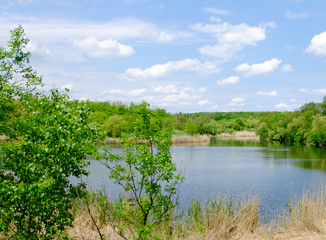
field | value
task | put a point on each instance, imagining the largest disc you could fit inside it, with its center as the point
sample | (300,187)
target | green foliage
(114,126)
(318,131)
(17,78)
(147,174)
(53,139)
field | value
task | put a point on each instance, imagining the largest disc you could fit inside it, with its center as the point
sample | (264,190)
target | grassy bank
(306,219)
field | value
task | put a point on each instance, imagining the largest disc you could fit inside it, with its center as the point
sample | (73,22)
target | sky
(179,55)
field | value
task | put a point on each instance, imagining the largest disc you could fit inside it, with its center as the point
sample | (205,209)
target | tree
(114,126)
(317,133)
(147,174)
(48,145)
(17,78)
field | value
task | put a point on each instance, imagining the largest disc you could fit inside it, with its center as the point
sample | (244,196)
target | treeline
(305,125)
(116,118)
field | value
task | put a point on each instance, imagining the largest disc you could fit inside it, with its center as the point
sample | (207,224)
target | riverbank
(305,219)
(176,139)
(240,135)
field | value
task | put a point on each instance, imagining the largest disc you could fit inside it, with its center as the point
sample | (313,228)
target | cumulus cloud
(259,68)
(302,90)
(137,92)
(114,91)
(271,93)
(291,15)
(214,107)
(320,91)
(237,102)
(103,49)
(287,68)
(318,45)
(67,86)
(216,11)
(202,90)
(282,106)
(35,49)
(230,39)
(166,89)
(161,70)
(228,81)
(202,102)
(184,95)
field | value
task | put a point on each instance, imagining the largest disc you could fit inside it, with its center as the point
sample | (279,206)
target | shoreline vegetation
(304,219)
(199,139)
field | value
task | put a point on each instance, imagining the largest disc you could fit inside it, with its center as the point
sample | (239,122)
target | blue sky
(187,56)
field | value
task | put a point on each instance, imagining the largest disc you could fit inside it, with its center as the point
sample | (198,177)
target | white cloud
(184,95)
(259,68)
(103,49)
(293,100)
(318,44)
(283,106)
(228,81)
(287,68)
(320,91)
(161,70)
(35,49)
(114,91)
(58,30)
(137,92)
(202,90)
(67,86)
(166,89)
(216,11)
(230,39)
(202,102)
(271,93)
(237,102)
(215,107)
(291,15)
(185,103)
(302,90)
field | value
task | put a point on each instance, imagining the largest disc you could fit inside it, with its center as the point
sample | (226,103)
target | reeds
(178,139)
(218,219)
(112,141)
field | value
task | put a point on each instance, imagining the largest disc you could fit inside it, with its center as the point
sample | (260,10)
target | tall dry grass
(305,219)
(179,139)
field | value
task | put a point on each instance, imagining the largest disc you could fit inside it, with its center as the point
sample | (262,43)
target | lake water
(238,170)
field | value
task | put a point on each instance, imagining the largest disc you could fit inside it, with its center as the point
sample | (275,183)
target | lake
(237,170)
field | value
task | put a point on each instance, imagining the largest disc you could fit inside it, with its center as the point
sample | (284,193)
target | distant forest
(305,125)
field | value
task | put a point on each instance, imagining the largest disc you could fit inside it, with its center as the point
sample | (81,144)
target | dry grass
(241,135)
(176,139)
(112,141)
(225,220)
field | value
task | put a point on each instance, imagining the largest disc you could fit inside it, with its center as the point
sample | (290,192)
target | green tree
(53,140)
(115,125)
(17,78)
(147,174)
(318,133)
